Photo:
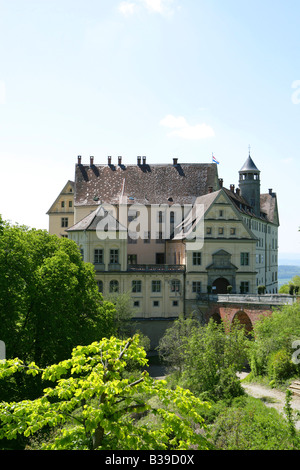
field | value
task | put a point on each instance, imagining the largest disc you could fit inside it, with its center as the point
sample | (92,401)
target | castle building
(170,233)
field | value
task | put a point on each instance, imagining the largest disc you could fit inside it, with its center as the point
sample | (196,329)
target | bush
(280,366)
(249,425)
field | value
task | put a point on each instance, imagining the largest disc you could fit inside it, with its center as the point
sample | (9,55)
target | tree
(49,301)
(271,352)
(292,287)
(172,346)
(214,354)
(94,403)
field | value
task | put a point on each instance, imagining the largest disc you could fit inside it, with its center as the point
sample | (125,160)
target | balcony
(99,267)
(156,268)
(114,267)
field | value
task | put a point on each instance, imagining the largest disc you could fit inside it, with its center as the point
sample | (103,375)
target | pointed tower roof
(249,165)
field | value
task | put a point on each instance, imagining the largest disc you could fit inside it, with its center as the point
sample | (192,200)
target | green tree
(214,354)
(94,401)
(271,352)
(49,301)
(293,286)
(172,346)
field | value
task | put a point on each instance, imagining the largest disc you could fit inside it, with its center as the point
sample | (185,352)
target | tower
(249,184)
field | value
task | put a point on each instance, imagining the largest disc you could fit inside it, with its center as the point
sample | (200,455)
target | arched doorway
(220,285)
(243,320)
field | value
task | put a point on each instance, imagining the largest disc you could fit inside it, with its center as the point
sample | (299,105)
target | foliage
(94,403)
(271,352)
(214,355)
(292,287)
(49,301)
(206,357)
(172,346)
(249,425)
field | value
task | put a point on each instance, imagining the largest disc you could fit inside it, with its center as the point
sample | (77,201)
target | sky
(157,78)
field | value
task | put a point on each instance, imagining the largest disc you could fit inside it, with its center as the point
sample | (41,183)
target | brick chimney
(175,161)
(109,160)
(91,161)
(232,188)
(144,160)
(139,159)
(119,160)
(79,159)
(221,182)
(210,189)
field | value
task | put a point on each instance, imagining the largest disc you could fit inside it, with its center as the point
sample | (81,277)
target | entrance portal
(221,285)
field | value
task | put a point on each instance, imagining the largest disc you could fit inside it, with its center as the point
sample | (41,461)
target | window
(232,231)
(113,286)
(100,286)
(196,287)
(64,221)
(137,286)
(70,204)
(221,231)
(175,303)
(155,303)
(159,238)
(147,237)
(245,287)
(132,259)
(62,203)
(98,256)
(156,286)
(196,258)
(114,256)
(136,303)
(175,285)
(208,231)
(244,259)
(220,213)
(160,217)
(82,253)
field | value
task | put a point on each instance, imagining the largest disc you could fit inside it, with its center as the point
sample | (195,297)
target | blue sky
(160,78)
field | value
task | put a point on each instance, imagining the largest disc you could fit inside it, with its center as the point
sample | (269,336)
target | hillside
(286,273)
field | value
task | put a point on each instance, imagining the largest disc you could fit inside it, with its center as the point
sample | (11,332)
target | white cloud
(173,122)
(2,92)
(127,8)
(186,131)
(163,7)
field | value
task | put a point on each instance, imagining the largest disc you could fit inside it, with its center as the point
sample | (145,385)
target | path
(271,397)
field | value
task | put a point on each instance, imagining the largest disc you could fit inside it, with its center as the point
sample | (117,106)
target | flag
(214,160)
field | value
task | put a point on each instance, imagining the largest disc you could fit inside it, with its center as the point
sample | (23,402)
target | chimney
(175,161)
(79,159)
(109,160)
(139,160)
(119,160)
(210,189)
(221,182)
(232,188)
(91,161)
(271,192)
(238,191)
(144,160)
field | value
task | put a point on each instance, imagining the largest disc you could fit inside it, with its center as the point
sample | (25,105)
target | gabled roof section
(268,204)
(100,217)
(64,191)
(143,183)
